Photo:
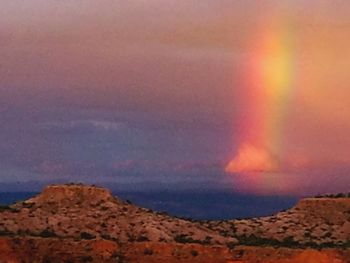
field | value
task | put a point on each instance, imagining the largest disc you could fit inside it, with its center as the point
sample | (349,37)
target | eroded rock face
(87,212)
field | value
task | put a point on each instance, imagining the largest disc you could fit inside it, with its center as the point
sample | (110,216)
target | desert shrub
(231,245)
(85,235)
(46,259)
(131,238)
(338,195)
(162,213)
(224,233)
(5,233)
(148,252)
(142,239)
(289,242)
(185,239)
(311,244)
(106,236)
(87,259)
(194,253)
(46,233)
(4,208)
(341,195)
(253,240)
(27,205)
(326,245)
(346,244)
(328,234)
(207,240)
(119,257)
(307,234)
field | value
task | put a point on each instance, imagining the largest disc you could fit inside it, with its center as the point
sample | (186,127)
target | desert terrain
(79,223)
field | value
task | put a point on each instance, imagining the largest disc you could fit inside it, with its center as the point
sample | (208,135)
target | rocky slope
(77,223)
(313,222)
(86,212)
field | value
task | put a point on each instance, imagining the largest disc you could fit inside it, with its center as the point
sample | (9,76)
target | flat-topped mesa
(317,203)
(334,210)
(89,212)
(72,194)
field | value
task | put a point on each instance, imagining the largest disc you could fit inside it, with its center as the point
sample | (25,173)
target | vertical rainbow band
(270,85)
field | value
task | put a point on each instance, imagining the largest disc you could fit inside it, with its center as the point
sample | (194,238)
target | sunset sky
(248,95)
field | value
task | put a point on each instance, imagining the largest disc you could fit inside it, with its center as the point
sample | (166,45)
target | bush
(194,253)
(142,239)
(5,233)
(339,195)
(231,245)
(148,252)
(88,236)
(289,242)
(47,233)
(87,259)
(253,240)
(185,239)
(4,208)
(119,257)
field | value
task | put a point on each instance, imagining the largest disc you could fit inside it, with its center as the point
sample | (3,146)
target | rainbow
(269,84)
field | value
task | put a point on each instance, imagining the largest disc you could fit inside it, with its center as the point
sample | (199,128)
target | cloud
(123,165)
(252,159)
(107,125)
(86,124)
(200,166)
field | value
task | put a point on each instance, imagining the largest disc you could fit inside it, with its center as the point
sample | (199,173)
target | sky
(251,96)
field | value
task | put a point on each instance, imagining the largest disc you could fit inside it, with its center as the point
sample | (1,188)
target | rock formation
(78,223)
